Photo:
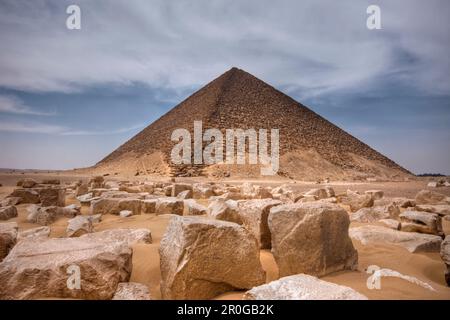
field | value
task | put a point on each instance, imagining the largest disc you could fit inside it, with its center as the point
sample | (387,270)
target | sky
(70,97)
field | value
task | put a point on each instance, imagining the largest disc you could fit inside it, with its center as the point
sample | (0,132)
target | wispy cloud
(12,104)
(98,133)
(30,127)
(309,45)
(38,127)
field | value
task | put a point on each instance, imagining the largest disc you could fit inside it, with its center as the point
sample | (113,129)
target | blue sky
(69,97)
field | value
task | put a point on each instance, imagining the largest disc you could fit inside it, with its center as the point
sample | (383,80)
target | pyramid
(310,145)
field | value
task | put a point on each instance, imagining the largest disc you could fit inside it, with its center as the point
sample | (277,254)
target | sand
(426,267)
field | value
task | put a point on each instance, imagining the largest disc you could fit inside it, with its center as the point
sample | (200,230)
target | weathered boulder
(169,205)
(330,192)
(247,189)
(8,237)
(374,214)
(149,205)
(96,182)
(202,191)
(357,201)
(412,241)
(39,232)
(52,197)
(95,218)
(111,185)
(261,193)
(250,191)
(10,201)
(132,291)
(115,205)
(47,215)
(254,215)
(405,203)
(87,198)
(125,213)
(225,210)
(329,200)
(71,211)
(26,183)
(78,226)
(201,258)
(130,236)
(285,194)
(186,194)
(40,268)
(195,209)
(422,222)
(311,238)
(103,192)
(7,213)
(431,197)
(375,194)
(440,209)
(115,194)
(131,189)
(148,187)
(167,191)
(391,223)
(318,193)
(229,196)
(44,215)
(398,201)
(445,255)
(219,189)
(177,188)
(82,189)
(302,287)
(307,198)
(26,195)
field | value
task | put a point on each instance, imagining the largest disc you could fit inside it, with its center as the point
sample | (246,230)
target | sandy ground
(426,267)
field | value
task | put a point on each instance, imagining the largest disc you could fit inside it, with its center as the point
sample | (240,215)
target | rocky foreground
(215,239)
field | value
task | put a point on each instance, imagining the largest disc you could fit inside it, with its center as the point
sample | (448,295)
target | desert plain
(427,267)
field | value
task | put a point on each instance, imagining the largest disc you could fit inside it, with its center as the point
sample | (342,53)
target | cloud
(98,133)
(12,104)
(38,127)
(312,47)
(30,127)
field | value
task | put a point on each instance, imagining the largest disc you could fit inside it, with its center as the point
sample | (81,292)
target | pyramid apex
(235,69)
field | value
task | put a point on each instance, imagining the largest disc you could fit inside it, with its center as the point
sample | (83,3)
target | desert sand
(427,267)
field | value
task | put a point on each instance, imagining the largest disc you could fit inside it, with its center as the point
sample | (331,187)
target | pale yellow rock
(302,287)
(374,214)
(170,205)
(8,237)
(130,236)
(115,205)
(132,291)
(202,258)
(225,210)
(38,268)
(311,238)
(422,222)
(412,241)
(431,197)
(254,215)
(445,255)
